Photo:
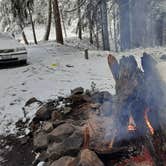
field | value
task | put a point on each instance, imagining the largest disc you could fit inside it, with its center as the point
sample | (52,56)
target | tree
(21,9)
(79,20)
(58,27)
(104,24)
(30,9)
(19,12)
(48,27)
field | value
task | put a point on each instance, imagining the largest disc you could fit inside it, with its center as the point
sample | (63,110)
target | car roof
(8,42)
(5,35)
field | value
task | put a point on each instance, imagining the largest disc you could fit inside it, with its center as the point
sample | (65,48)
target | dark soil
(15,151)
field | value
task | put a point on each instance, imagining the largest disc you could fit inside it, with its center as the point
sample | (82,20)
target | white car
(11,50)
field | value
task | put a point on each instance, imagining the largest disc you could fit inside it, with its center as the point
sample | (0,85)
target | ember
(131,126)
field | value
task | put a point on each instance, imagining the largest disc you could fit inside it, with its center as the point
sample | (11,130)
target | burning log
(137,102)
(86,138)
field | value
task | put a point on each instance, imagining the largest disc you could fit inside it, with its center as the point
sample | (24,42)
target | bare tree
(30,9)
(58,27)
(48,27)
(104,24)
(79,20)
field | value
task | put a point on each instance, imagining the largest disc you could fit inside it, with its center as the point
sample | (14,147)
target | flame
(131,125)
(147,121)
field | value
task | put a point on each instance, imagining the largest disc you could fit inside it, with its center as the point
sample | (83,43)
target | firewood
(86,138)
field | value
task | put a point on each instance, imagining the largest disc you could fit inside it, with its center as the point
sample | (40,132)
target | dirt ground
(16,152)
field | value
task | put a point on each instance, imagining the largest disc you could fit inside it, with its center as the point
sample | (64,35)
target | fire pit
(128,128)
(138,128)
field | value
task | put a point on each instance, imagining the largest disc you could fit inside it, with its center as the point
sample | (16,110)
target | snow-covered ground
(47,76)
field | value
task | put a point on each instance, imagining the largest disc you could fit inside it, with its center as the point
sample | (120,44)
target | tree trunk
(79,21)
(104,23)
(23,35)
(63,24)
(97,36)
(48,27)
(90,34)
(33,26)
(58,27)
(115,31)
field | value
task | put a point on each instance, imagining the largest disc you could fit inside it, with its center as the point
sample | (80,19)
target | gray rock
(40,140)
(55,116)
(32,100)
(106,96)
(43,156)
(43,113)
(106,108)
(163,57)
(77,91)
(70,145)
(87,158)
(64,161)
(67,110)
(47,127)
(61,132)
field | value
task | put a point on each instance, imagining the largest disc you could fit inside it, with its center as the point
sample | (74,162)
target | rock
(47,127)
(67,110)
(77,91)
(61,132)
(43,113)
(64,161)
(106,96)
(79,99)
(87,158)
(163,57)
(106,108)
(40,140)
(41,164)
(68,145)
(57,123)
(32,100)
(95,105)
(55,115)
(69,66)
(43,157)
(100,97)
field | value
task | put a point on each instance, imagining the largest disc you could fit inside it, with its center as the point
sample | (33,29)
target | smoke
(138,93)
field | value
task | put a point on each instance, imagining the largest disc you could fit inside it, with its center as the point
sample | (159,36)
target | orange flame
(147,121)
(131,126)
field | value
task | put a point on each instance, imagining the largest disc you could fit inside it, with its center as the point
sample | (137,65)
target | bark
(104,22)
(48,27)
(33,27)
(23,35)
(97,37)
(90,23)
(63,22)
(58,27)
(115,30)
(79,21)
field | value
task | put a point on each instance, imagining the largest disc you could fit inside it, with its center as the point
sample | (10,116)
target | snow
(47,77)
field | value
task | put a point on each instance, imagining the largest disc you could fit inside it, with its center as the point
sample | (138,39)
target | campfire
(138,126)
(124,129)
